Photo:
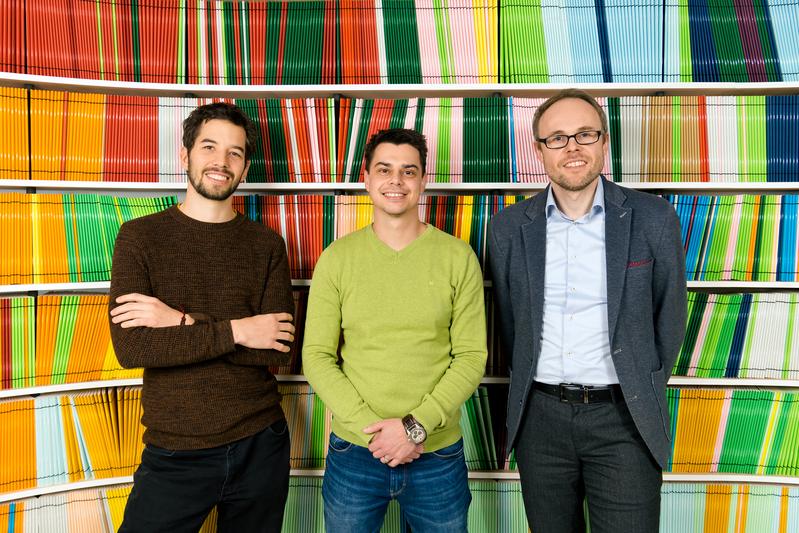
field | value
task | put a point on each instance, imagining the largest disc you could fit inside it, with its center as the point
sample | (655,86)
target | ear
(184,158)
(246,169)
(538,151)
(367,180)
(605,144)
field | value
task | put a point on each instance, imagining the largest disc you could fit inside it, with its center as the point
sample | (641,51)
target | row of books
(740,237)
(741,336)
(497,506)
(54,135)
(649,41)
(70,238)
(349,41)
(56,439)
(738,431)
(54,238)
(51,439)
(695,508)
(54,339)
(49,340)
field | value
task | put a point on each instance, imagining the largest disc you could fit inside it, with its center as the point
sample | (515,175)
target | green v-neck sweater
(412,331)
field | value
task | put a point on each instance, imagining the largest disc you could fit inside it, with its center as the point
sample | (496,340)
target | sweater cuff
(226,336)
(429,415)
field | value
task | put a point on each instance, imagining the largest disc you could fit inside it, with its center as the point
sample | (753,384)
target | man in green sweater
(201,298)
(406,300)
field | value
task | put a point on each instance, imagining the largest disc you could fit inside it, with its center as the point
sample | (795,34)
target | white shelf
(421,90)
(735,479)
(768,383)
(102,286)
(69,387)
(92,286)
(744,285)
(89,286)
(675,381)
(668,477)
(65,487)
(167,188)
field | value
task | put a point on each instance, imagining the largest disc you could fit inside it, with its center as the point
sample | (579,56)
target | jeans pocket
(278,428)
(337,444)
(450,452)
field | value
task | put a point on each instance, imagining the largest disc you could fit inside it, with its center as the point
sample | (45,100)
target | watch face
(417,435)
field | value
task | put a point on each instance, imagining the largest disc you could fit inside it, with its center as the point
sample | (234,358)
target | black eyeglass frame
(545,140)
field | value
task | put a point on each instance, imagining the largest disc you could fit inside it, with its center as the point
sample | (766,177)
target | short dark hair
(397,136)
(563,95)
(219,111)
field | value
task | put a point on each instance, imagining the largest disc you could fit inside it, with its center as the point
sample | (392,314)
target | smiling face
(573,167)
(215,164)
(395,181)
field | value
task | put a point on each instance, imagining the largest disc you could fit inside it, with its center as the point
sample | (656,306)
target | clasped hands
(390,443)
(272,331)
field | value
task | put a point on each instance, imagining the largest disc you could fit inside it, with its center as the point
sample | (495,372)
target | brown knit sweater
(200,389)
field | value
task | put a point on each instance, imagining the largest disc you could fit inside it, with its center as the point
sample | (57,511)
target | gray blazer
(646,301)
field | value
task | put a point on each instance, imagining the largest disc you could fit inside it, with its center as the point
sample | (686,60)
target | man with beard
(589,280)
(201,298)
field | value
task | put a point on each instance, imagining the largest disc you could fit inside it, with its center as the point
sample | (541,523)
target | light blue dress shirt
(575,346)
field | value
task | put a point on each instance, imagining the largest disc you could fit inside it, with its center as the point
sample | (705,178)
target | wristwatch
(415,431)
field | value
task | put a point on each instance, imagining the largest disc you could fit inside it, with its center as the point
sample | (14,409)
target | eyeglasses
(559,140)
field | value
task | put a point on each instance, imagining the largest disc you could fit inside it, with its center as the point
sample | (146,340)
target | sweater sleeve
(468,352)
(277,298)
(157,347)
(320,352)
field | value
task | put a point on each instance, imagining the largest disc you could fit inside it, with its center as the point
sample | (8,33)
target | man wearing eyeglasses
(589,279)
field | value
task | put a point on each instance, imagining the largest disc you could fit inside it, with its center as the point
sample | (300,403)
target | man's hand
(390,443)
(264,332)
(138,310)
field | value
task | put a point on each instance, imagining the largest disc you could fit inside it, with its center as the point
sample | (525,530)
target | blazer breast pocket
(640,263)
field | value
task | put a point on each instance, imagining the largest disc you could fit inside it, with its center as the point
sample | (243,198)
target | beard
(578,183)
(220,194)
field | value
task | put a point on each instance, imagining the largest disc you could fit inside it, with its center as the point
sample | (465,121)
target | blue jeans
(433,491)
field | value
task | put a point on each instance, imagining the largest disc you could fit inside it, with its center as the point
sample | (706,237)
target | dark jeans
(570,452)
(174,490)
(433,490)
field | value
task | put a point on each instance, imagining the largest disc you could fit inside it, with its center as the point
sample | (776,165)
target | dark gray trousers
(570,452)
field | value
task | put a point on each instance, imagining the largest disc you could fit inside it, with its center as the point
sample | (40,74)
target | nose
(571,143)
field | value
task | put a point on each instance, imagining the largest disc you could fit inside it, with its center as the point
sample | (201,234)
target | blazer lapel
(534,237)
(617,245)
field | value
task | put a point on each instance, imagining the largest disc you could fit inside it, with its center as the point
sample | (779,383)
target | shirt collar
(597,207)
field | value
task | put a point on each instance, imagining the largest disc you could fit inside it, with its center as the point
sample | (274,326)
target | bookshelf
(337,92)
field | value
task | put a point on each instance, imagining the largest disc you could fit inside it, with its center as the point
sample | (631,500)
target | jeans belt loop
(585,394)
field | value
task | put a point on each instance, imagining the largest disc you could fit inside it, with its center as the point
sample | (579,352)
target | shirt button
(573,289)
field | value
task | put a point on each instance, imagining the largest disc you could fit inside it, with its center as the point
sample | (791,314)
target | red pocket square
(633,264)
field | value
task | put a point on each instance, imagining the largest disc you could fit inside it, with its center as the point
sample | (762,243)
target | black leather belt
(573,393)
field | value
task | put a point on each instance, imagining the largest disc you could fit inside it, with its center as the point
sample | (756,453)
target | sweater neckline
(388,251)
(193,223)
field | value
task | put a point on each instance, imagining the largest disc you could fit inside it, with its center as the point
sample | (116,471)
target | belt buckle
(584,390)
(564,387)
